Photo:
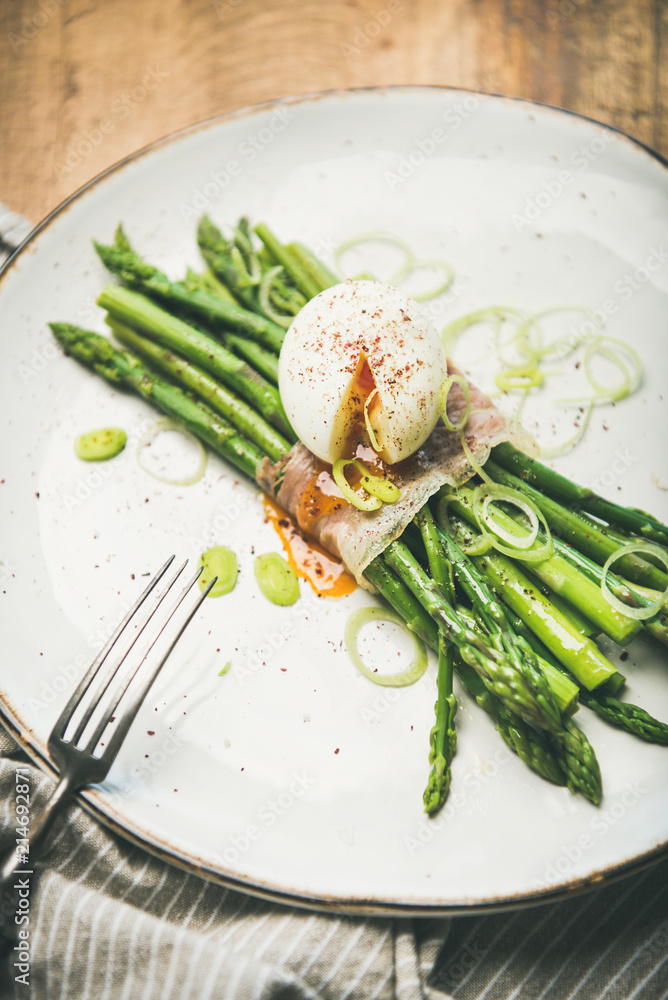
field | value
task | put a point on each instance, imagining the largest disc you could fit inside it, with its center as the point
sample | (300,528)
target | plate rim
(90,800)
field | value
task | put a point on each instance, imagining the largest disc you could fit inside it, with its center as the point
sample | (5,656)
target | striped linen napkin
(110,922)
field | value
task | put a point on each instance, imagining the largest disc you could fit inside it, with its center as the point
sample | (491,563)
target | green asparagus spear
(247,420)
(495,667)
(439,566)
(206,281)
(213,310)
(398,596)
(226,259)
(121,368)
(258,357)
(318,271)
(578,760)
(140,313)
(529,743)
(443,736)
(584,535)
(302,277)
(560,576)
(278,297)
(501,635)
(564,691)
(629,519)
(635,597)
(626,716)
(580,655)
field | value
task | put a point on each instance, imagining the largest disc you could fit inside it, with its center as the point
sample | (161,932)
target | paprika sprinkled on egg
(362,365)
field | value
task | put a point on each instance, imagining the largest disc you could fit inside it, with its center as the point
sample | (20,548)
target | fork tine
(138,696)
(103,687)
(85,682)
(104,678)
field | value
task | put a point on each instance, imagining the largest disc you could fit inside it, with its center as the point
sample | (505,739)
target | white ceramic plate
(293,776)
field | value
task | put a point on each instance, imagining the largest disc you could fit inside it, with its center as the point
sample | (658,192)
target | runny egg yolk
(360,401)
(326,574)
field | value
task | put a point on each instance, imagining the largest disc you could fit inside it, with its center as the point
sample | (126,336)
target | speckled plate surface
(292,775)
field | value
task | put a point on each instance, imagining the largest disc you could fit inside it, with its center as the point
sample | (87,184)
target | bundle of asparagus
(518,635)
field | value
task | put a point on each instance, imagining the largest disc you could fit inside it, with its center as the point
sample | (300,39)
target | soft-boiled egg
(362,355)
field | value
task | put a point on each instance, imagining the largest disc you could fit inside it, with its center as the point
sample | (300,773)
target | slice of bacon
(356,536)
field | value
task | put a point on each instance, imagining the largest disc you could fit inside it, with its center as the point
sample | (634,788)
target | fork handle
(12,864)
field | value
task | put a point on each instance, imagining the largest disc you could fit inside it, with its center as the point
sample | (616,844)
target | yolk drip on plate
(309,560)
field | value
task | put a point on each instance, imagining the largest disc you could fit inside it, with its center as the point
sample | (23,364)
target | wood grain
(85,82)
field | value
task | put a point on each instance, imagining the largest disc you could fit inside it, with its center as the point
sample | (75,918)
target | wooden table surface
(147,67)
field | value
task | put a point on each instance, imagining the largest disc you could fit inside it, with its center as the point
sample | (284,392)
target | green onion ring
(339,475)
(472,460)
(640,614)
(435,262)
(378,486)
(445,392)
(628,383)
(524,542)
(561,449)
(517,549)
(478,548)
(410,264)
(165,424)
(376,236)
(357,620)
(276,579)
(520,379)
(219,562)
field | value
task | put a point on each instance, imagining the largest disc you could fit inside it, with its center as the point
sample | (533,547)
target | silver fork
(95,705)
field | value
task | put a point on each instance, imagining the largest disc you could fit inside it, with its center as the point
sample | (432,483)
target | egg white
(321,354)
